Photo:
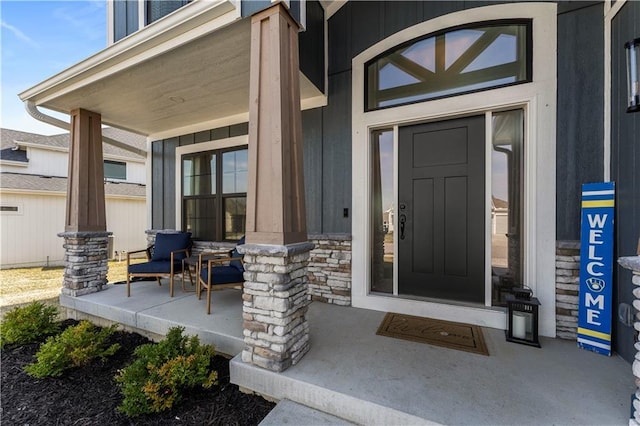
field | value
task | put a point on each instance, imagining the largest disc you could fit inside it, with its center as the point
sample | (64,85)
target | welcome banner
(596,267)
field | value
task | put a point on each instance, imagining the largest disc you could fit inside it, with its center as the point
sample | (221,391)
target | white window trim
(194,148)
(538,99)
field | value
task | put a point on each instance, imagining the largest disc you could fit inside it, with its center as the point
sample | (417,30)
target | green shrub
(161,372)
(27,324)
(74,347)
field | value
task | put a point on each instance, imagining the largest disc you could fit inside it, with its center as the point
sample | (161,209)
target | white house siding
(30,236)
(47,162)
(136,172)
(127,219)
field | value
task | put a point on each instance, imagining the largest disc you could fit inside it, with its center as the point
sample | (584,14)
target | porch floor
(354,374)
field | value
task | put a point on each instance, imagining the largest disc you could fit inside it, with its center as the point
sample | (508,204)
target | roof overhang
(186,70)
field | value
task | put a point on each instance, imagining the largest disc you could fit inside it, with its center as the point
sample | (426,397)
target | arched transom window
(455,61)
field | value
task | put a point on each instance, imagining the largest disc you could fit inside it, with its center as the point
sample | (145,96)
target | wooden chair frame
(210,263)
(155,275)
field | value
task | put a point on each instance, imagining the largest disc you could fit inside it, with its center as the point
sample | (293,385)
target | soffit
(203,79)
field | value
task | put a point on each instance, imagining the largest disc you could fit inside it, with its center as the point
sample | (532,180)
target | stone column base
(633,264)
(85,262)
(275,303)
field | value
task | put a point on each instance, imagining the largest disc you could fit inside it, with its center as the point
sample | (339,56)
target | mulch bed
(90,396)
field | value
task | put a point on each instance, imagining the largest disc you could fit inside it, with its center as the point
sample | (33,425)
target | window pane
(451,63)
(235,214)
(199,217)
(234,172)
(157,9)
(383,212)
(199,175)
(506,203)
(115,170)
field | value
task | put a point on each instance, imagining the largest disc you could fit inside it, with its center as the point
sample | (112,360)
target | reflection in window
(383,212)
(450,63)
(115,170)
(199,174)
(235,213)
(234,172)
(207,214)
(506,203)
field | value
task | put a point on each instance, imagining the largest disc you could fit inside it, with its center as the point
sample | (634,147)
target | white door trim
(539,101)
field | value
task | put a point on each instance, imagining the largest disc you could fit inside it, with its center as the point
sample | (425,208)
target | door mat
(454,335)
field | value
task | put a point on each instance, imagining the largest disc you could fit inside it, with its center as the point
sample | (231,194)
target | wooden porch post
(86,240)
(277,251)
(275,194)
(85,189)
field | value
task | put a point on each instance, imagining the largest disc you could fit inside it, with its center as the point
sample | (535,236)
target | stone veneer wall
(198,246)
(275,303)
(329,269)
(85,262)
(567,288)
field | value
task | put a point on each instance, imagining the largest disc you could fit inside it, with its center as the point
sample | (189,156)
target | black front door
(441,210)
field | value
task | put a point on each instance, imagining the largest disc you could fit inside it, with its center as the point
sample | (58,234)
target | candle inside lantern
(519,325)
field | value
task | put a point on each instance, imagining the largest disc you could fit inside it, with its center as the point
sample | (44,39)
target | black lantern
(633,75)
(522,318)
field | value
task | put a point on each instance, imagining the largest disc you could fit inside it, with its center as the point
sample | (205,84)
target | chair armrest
(185,251)
(222,260)
(204,256)
(147,250)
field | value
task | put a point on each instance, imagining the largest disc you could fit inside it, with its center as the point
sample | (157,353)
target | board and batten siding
(163,170)
(358,25)
(327,130)
(625,167)
(29,237)
(579,125)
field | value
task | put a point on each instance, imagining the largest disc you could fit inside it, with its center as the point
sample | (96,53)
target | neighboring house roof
(12,154)
(8,138)
(11,138)
(499,203)
(25,182)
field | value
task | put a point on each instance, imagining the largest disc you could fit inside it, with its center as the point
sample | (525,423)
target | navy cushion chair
(220,272)
(164,259)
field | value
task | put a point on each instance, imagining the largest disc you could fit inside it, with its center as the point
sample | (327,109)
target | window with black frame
(214,194)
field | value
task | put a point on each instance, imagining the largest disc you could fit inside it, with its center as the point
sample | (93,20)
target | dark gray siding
(163,167)
(312,45)
(251,7)
(157,185)
(312,136)
(579,127)
(625,167)
(358,25)
(125,18)
(327,131)
(336,156)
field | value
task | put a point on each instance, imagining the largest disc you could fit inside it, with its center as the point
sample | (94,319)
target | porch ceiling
(162,87)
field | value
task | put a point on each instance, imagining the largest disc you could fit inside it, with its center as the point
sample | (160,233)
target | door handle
(403,220)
